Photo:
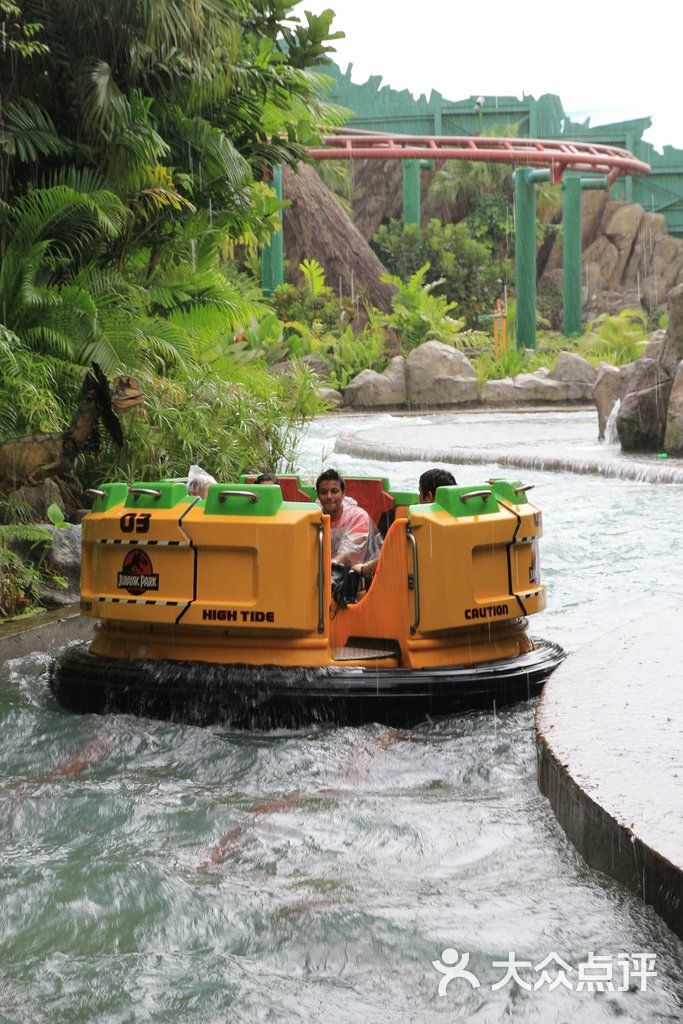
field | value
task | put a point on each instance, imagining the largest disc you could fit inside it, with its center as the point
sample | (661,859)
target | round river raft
(227,609)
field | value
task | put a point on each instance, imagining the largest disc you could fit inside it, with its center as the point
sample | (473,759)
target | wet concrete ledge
(362,447)
(43,632)
(609,742)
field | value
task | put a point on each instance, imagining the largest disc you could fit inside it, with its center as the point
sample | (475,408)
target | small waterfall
(618,468)
(611,436)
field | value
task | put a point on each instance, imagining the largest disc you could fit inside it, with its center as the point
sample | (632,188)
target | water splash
(611,435)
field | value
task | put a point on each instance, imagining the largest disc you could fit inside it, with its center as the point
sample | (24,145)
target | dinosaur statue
(29,460)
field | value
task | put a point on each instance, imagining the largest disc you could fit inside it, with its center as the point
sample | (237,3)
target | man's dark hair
(266,478)
(330,474)
(433,478)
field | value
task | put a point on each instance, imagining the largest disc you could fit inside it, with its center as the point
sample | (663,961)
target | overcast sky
(609,62)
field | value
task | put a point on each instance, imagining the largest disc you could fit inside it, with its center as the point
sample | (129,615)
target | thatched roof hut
(316,227)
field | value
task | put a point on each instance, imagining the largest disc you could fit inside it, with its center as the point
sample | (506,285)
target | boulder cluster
(650,390)
(436,375)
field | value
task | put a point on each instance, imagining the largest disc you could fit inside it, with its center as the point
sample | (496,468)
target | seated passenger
(429,481)
(354,535)
(267,478)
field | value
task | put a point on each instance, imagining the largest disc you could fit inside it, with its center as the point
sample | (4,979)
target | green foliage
(336,176)
(344,352)
(325,310)
(417,314)
(466,272)
(314,278)
(491,221)
(509,364)
(56,516)
(616,339)
(24,572)
(306,45)
(224,425)
(136,142)
(19,584)
(458,185)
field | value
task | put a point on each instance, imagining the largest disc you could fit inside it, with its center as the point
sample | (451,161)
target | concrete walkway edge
(43,632)
(609,744)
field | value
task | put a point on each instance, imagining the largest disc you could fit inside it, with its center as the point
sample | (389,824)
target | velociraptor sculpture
(29,460)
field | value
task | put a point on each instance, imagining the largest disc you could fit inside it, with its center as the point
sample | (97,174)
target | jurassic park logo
(137,573)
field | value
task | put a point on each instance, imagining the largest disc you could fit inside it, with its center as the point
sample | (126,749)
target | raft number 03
(137,522)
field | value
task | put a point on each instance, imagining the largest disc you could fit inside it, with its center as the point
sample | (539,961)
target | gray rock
(440,375)
(64,559)
(606,391)
(673,434)
(672,348)
(622,230)
(42,496)
(529,388)
(642,415)
(319,365)
(653,348)
(371,390)
(331,397)
(573,368)
(281,369)
(498,392)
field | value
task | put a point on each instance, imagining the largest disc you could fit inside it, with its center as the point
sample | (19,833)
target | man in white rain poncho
(353,534)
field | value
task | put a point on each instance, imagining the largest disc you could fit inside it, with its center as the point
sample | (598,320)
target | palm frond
(27,132)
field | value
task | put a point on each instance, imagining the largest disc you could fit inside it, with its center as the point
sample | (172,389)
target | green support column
(525,254)
(571,254)
(272,265)
(572,186)
(411,191)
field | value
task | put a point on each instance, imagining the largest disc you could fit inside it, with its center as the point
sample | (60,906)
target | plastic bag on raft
(199,481)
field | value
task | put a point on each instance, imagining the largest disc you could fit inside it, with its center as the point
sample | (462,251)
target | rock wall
(650,417)
(629,258)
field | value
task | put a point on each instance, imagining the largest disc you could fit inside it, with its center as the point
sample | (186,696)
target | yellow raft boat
(222,609)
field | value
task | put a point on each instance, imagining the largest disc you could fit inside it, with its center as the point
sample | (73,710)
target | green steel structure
(385,110)
(272,257)
(380,108)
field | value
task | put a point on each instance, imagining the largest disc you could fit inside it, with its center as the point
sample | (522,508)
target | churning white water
(152,872)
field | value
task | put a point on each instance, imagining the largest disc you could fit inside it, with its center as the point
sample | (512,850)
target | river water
(155,872)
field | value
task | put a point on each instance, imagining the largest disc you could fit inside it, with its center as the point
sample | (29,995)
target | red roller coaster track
(557,156)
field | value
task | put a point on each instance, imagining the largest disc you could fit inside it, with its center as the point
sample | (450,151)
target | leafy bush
(296,303)
(616,339)
(345,353)
(464,268)
(508,364)
(417,314)
(21,578)
(253,420)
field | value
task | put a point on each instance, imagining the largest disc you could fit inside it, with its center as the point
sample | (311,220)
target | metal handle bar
(416,582)
(137,491)
(321,580)
(224,495)
(475,494)
(523,488)
(96,492)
